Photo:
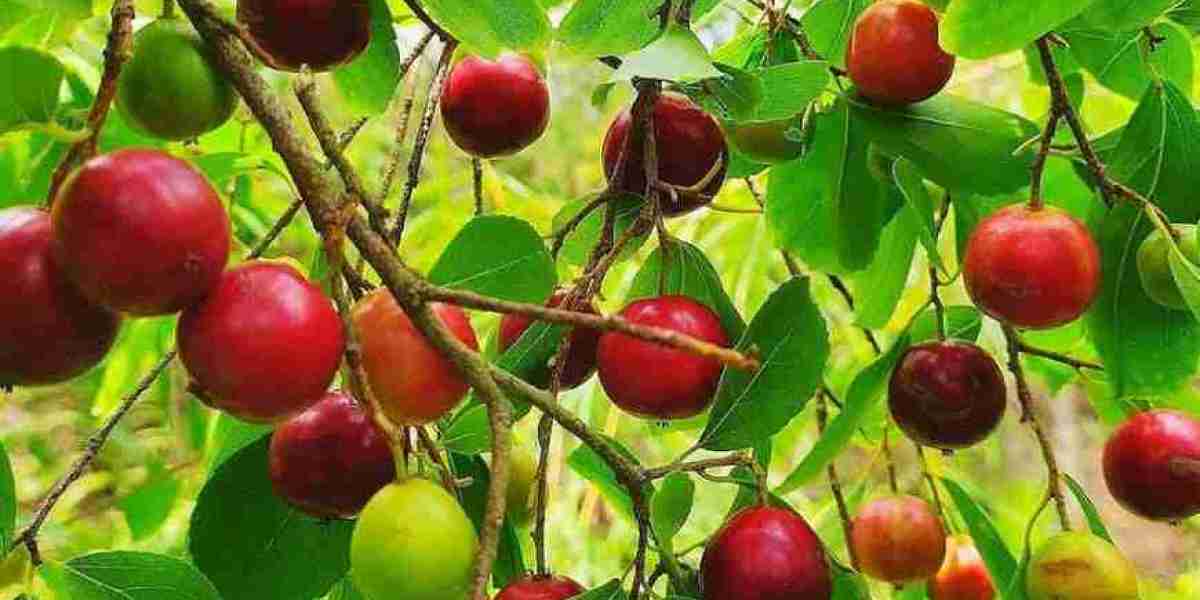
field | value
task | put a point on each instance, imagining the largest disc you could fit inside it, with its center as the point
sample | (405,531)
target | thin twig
(477,178)
(1071,361)
(835,485)
(433,95)
(890,461)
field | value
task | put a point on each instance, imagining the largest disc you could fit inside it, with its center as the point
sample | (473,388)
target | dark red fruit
(541,587)
(495,108)
(1032,268)
(765,553)
(898,539)
(329,460)
(581,358)
(48,331)
(322,34)
(1152,465)
(689,144)
(948,395)
(141,232)
(894,57)
(651,380)
(411,379)
(963,576)
(264,345)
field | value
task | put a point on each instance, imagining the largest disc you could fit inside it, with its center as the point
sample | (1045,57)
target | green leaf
(863,395)
(609,591)
(230,435)
(962,323)
(1125,15)
(253,546)
(32,80)
(497,256)
(677,55)
(959,144)
(829,24)
(848,585)
(1095,523)
(670,507)
(880,286)
(735,95)
(369,82)
(788,89)
(345,590)
(577,248)
(588,465)
(826,208)
(1123,62)
(510,564)
(147,507)
(996,555)
(920,205)
(529,357)
(491,26)
(608,27)
(128,576)
(688,273)
(984,28)
(1187,13)
(792,340)
(469,432)
(1187,277)
(8,500)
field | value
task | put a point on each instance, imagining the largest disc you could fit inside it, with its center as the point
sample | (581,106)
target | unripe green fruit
(1079,566)
(767,142)
(1154,265)
(170,88)
(522,495)
(413,541)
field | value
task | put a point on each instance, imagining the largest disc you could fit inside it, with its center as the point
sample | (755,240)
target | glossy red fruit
(541,587)
(265,345)
(322,34)
(495,108)
(963,575)
(581,358)
(689,144)
(947,395)
(651,380)
(49,332)
(141,232)
(898,539)
(412,381)
(1152,465)
(894,57)
(765,553)
(1033,268)
(329,460)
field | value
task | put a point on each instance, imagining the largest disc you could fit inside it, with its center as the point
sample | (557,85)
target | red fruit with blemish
(690,148)
(898,539)
(329,460)
(321,34)
(49,332)
(141,232)
(1032,268)
(963,575)
(495,108)
(654,381)
(581,358)
(894,57)
(949,395)
(1152,465)
(264,345)
(541,587)
(765,553)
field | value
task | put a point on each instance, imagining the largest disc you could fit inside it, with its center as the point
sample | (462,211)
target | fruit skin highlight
(1033,268)
(1154,265)
(1152,465)
(948,395)
(581,358)
(494,108)
(265,345)
(413,541)
(141,232)
(894,57)
(49,333)
(765,553)
(898,539)
(963,576)
(1080,566)
(322,34)
(541,587)
(170,87)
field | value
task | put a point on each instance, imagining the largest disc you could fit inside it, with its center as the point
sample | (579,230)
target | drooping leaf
(589,465)
(880,286)
(829,24)
(510,564)
(32,80)
(996,555)
(8,499)
(128,576)
(677,55)
(369,82)
(688,273)
(497,256)
(1123,62)
(917,201)
(1094,521)
(983,28)
(491,26)
(469,431)
(789,88)
(671,506)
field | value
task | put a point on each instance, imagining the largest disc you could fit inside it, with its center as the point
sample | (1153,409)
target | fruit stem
(886,446)
(933,488)
(835,483)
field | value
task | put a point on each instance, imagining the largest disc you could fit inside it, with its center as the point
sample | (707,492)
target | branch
(433,95)
(835,486)
(419,13)
(1077,363)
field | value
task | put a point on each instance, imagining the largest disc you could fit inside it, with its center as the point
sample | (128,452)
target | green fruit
(522,493)
(413,541)
(170,87)
(767,142)
(1154,266)
(1080,566)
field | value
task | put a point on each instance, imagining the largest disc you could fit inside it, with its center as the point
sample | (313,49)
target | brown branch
(844,291)
(477,178)
(433,95)
(419,12)
(393,163)
(1077,363)
(116,52)
(559,237)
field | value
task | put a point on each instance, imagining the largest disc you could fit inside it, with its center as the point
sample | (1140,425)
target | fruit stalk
(418,153)
(835,481)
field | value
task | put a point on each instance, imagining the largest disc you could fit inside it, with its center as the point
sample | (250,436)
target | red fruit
(898,539)
(651,380)
(948,395)
(141,232)
(1152,465)
(1033,268)
(765,553)
(894,57)
(495,108)
(581,358)
(689,144)
(963,576)
(322,34)
(329,460)
(411,380)
(541,587)
(264,345)
(48,331)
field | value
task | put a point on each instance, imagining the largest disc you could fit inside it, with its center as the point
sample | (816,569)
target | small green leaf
(491,26)
(497,256)
(996,555)
(8,500)
(369,82)
(688,273)
(670,507)
(677,55)
(147,507)
(577,248)
(962,323)
(1123,62)
(230,435)
(1095,523)
(469,432)
(32,80)
(609,591)
(829,24)
(608,27)
(788,89)
(735,95)
(848,585)
(510,564)
(920,205)
(979,29)
(128,576)
(881,285)
(587,464)
(1187,277)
